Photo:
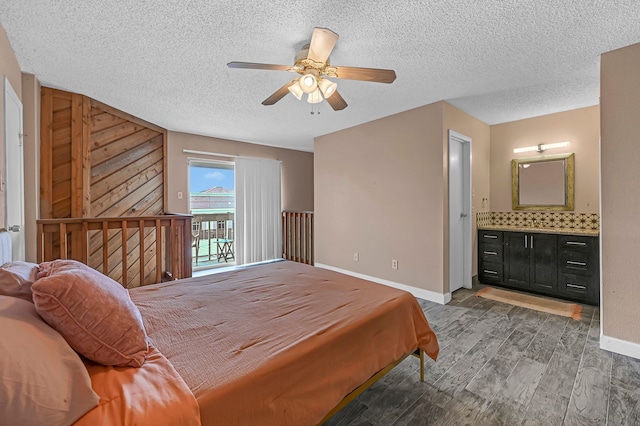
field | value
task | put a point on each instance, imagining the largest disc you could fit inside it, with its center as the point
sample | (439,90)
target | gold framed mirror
(543,183)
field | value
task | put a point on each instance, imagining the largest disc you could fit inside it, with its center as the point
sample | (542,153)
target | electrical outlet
(394,264)
(356,257)
(179,195)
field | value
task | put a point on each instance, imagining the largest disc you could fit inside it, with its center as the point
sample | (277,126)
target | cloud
(214,176)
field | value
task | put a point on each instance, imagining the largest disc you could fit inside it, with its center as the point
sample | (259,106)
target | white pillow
(43,380)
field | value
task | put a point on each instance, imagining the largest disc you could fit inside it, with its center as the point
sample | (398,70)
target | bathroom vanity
(555,262)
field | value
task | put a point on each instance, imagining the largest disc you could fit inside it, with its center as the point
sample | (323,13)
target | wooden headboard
(5,246)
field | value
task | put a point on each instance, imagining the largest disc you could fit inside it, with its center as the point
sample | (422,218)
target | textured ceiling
(165,61)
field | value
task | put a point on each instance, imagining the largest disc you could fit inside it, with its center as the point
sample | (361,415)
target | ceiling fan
(312,63)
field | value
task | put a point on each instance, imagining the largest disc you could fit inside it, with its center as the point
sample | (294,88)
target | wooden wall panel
(108,135)
(104,121)
(62,117)
(118,163)
(61,157)
(98,161)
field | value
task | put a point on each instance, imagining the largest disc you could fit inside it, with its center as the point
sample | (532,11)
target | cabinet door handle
(492,253)
(576,243)
(532,241)
(525,241)
(491,236)
(490,272)
(581,287)
(573,262)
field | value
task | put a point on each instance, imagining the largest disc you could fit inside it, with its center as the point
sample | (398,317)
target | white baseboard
(420,293)
(621,347)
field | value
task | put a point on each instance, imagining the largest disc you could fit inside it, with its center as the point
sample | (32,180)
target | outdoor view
(212,204)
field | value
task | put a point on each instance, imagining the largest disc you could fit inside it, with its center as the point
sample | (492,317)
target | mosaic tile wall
(544,219)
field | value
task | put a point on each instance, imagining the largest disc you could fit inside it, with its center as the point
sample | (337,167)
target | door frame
(455,137)
(18,250)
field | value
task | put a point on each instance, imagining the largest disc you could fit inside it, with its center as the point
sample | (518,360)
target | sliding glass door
(212,204)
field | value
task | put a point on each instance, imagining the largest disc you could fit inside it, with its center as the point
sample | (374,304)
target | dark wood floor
(505,365)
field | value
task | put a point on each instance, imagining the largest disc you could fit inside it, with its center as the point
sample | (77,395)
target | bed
(275,344)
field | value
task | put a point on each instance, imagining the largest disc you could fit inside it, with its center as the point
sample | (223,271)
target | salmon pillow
(16,279)
(44,382)
(92,312)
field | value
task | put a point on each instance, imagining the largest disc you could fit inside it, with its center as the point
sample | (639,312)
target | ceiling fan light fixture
(308,83)
(311,64)
(314,97)
(296,90)
(327,87)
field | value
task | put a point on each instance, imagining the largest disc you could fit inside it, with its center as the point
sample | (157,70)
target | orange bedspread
(279,344)
(151,395)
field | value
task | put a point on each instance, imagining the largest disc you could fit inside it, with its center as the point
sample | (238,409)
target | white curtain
(258,210)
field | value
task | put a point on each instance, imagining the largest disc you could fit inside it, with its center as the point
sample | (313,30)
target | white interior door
(459,211)
(14,170)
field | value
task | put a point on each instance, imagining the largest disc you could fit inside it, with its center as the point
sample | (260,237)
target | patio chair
(195,233)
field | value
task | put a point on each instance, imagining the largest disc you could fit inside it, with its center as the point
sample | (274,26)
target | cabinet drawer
(491,237)
(490,273)
(573,285)
(491,253)
(577,262)
(576,242)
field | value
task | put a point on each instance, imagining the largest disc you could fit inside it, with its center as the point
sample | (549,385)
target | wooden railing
(134,251)
(297,236)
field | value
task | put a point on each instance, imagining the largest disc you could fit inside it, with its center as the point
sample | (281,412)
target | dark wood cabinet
(543,255)
(556,265)
(517,260)
(532,261)
(491,257)
(579,263)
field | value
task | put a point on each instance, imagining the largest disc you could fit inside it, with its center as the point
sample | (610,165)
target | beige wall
(31,130)
(620,118)
(581,127)
(8,67)
(297,168)
(381,191)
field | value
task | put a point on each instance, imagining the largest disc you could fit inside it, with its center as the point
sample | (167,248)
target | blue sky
(201,178)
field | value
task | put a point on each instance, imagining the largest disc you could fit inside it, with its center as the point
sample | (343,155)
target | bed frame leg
(419,353)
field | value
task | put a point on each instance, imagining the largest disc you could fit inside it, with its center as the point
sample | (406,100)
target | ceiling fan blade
(255,66)
(278,94)
(336,101)
(323,41)
(365,74)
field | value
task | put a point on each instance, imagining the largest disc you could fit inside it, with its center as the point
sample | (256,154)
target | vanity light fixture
(542,147)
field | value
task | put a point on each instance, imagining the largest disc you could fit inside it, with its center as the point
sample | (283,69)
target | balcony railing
(134,251)
(214,232)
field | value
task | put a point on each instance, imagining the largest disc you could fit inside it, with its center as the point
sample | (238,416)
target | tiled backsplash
(541,219)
